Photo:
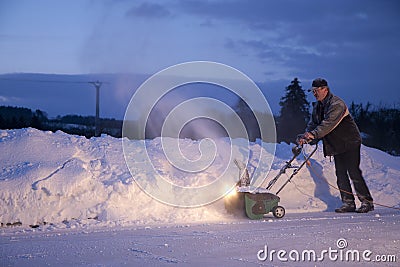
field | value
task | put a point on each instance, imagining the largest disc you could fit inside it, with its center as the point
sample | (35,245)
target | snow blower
(256,202)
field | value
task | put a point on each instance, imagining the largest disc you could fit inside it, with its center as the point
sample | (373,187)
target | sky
(353,44)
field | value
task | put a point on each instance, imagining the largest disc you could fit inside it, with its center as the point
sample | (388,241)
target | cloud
(3,99)
(8,99)
(148,10)
(340,40)
(309,25)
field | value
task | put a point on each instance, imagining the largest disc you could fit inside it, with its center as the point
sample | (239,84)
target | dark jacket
(332,122)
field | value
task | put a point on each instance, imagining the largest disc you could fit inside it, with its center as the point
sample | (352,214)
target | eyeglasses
(316,89)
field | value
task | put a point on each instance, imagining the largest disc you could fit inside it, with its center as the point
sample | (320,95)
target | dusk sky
(353,44)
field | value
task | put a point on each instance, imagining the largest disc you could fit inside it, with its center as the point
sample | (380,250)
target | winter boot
(365,207)
(346,207)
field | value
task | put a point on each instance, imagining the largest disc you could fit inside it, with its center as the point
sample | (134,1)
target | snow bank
(54,177)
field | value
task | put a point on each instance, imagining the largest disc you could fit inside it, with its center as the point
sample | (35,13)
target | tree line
(19,117)
(380,126)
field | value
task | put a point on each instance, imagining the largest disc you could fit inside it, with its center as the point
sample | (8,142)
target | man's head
(319,88)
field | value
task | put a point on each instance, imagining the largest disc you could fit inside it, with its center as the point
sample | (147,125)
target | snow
(76,203)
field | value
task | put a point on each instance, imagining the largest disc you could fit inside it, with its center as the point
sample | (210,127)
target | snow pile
(54,177)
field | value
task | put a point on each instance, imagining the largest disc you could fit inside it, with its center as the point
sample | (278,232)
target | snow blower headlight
(231,193)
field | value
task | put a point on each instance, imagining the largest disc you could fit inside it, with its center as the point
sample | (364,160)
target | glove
(307,137)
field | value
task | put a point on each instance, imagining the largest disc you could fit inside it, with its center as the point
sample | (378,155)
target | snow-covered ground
(225,243)
(86,208)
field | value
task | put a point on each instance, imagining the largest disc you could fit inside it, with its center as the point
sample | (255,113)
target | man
(332,122)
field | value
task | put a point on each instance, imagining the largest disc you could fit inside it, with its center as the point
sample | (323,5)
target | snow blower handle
(306,138)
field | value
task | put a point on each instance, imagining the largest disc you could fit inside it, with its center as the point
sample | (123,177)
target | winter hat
(319,82)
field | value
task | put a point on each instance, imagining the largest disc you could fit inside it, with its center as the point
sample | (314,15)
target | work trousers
(347,165)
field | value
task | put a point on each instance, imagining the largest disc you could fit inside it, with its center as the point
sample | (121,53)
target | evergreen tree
(248,118)
(2,122)
(13,124)
(294,113)
(35,122)
(39,118)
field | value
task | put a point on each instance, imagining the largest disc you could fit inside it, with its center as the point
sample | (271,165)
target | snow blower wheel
(278,212)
